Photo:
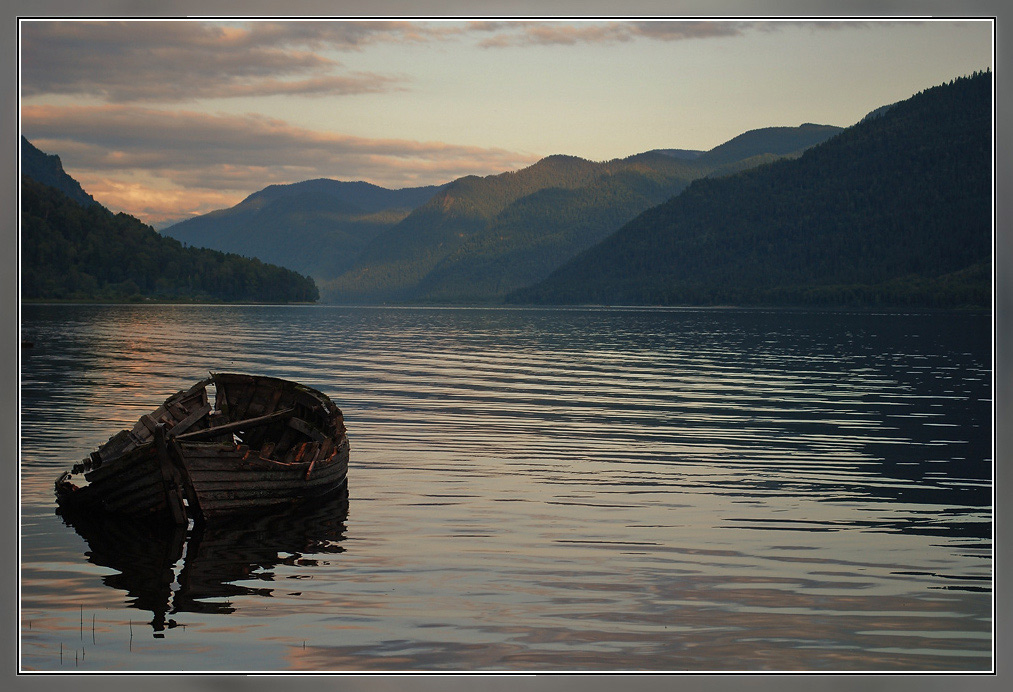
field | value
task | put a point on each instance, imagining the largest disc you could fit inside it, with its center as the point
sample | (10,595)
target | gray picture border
(10,345)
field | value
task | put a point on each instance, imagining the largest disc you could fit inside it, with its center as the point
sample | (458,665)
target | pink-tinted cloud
(155,205)
(155,162)
(184,60)
(169,61)
(507,34)
(131,135)
(351,35)
(125,153)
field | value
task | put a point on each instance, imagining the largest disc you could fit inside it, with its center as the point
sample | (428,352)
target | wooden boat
(263,443)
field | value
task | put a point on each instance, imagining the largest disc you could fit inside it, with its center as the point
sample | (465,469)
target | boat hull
(264,443)
(132,487)
(227,479)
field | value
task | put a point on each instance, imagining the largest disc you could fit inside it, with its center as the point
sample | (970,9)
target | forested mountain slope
(48,170)
(775,141)
(895,210)
(478,238)
(75,252)
(316,227)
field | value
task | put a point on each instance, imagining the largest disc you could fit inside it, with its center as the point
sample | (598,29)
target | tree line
(893,211)
(73,252)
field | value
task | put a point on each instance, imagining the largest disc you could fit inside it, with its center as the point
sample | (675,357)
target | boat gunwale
(320,421)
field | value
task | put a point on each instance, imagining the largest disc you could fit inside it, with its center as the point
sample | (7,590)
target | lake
(535,490)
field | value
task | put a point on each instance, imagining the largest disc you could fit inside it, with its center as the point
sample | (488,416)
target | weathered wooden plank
(272,405)
(149,422)
(127,486)
(239,398)
(213,495)
(307,398)
(170,478)
(136,493)
(285,442)
(188,422)
(141,496)
(306,429)
(256,481)
(312,452)
(133,460)
(138,501)
(292,457)
(140,432)
(238,377)
(116,445)
(259,474)
(254,469)
(264,398)
(249,474)
(237,426)
(177,410)
(214,502)
(178,460)
(222,398)
(216,495)
(326,448)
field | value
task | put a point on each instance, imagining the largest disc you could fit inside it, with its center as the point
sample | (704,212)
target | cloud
(151,61)
(184,60)
(154,205)
(541,33)
(124,152)
(152,162)
(351,35)
(509,34)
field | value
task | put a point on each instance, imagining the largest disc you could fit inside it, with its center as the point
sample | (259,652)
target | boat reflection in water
(168,569)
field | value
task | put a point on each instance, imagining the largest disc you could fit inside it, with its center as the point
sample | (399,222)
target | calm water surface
(562,490)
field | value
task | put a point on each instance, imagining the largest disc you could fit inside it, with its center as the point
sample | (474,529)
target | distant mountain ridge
(48,170)
(773,141)
(479,238)
(684,154)
(359,195)
(473,239)
(316,226)
(432,254)
(895,210)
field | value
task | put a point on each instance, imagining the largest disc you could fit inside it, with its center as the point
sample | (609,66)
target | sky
(165,119)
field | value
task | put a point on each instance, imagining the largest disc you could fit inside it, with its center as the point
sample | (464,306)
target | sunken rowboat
(263,443)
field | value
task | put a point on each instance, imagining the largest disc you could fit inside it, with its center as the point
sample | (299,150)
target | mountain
(895,210)
(480,238)
(877,112)
(316,227)
(771,141)
(73,248)
(684,154)
(48,170)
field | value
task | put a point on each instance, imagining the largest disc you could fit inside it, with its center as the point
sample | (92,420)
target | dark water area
(535,490)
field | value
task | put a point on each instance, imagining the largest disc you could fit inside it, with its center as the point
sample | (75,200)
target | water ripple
(649,489)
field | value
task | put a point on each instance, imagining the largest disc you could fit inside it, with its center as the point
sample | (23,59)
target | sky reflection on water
(537,489)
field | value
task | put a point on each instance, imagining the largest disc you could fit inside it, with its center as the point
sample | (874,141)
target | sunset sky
(165,119)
